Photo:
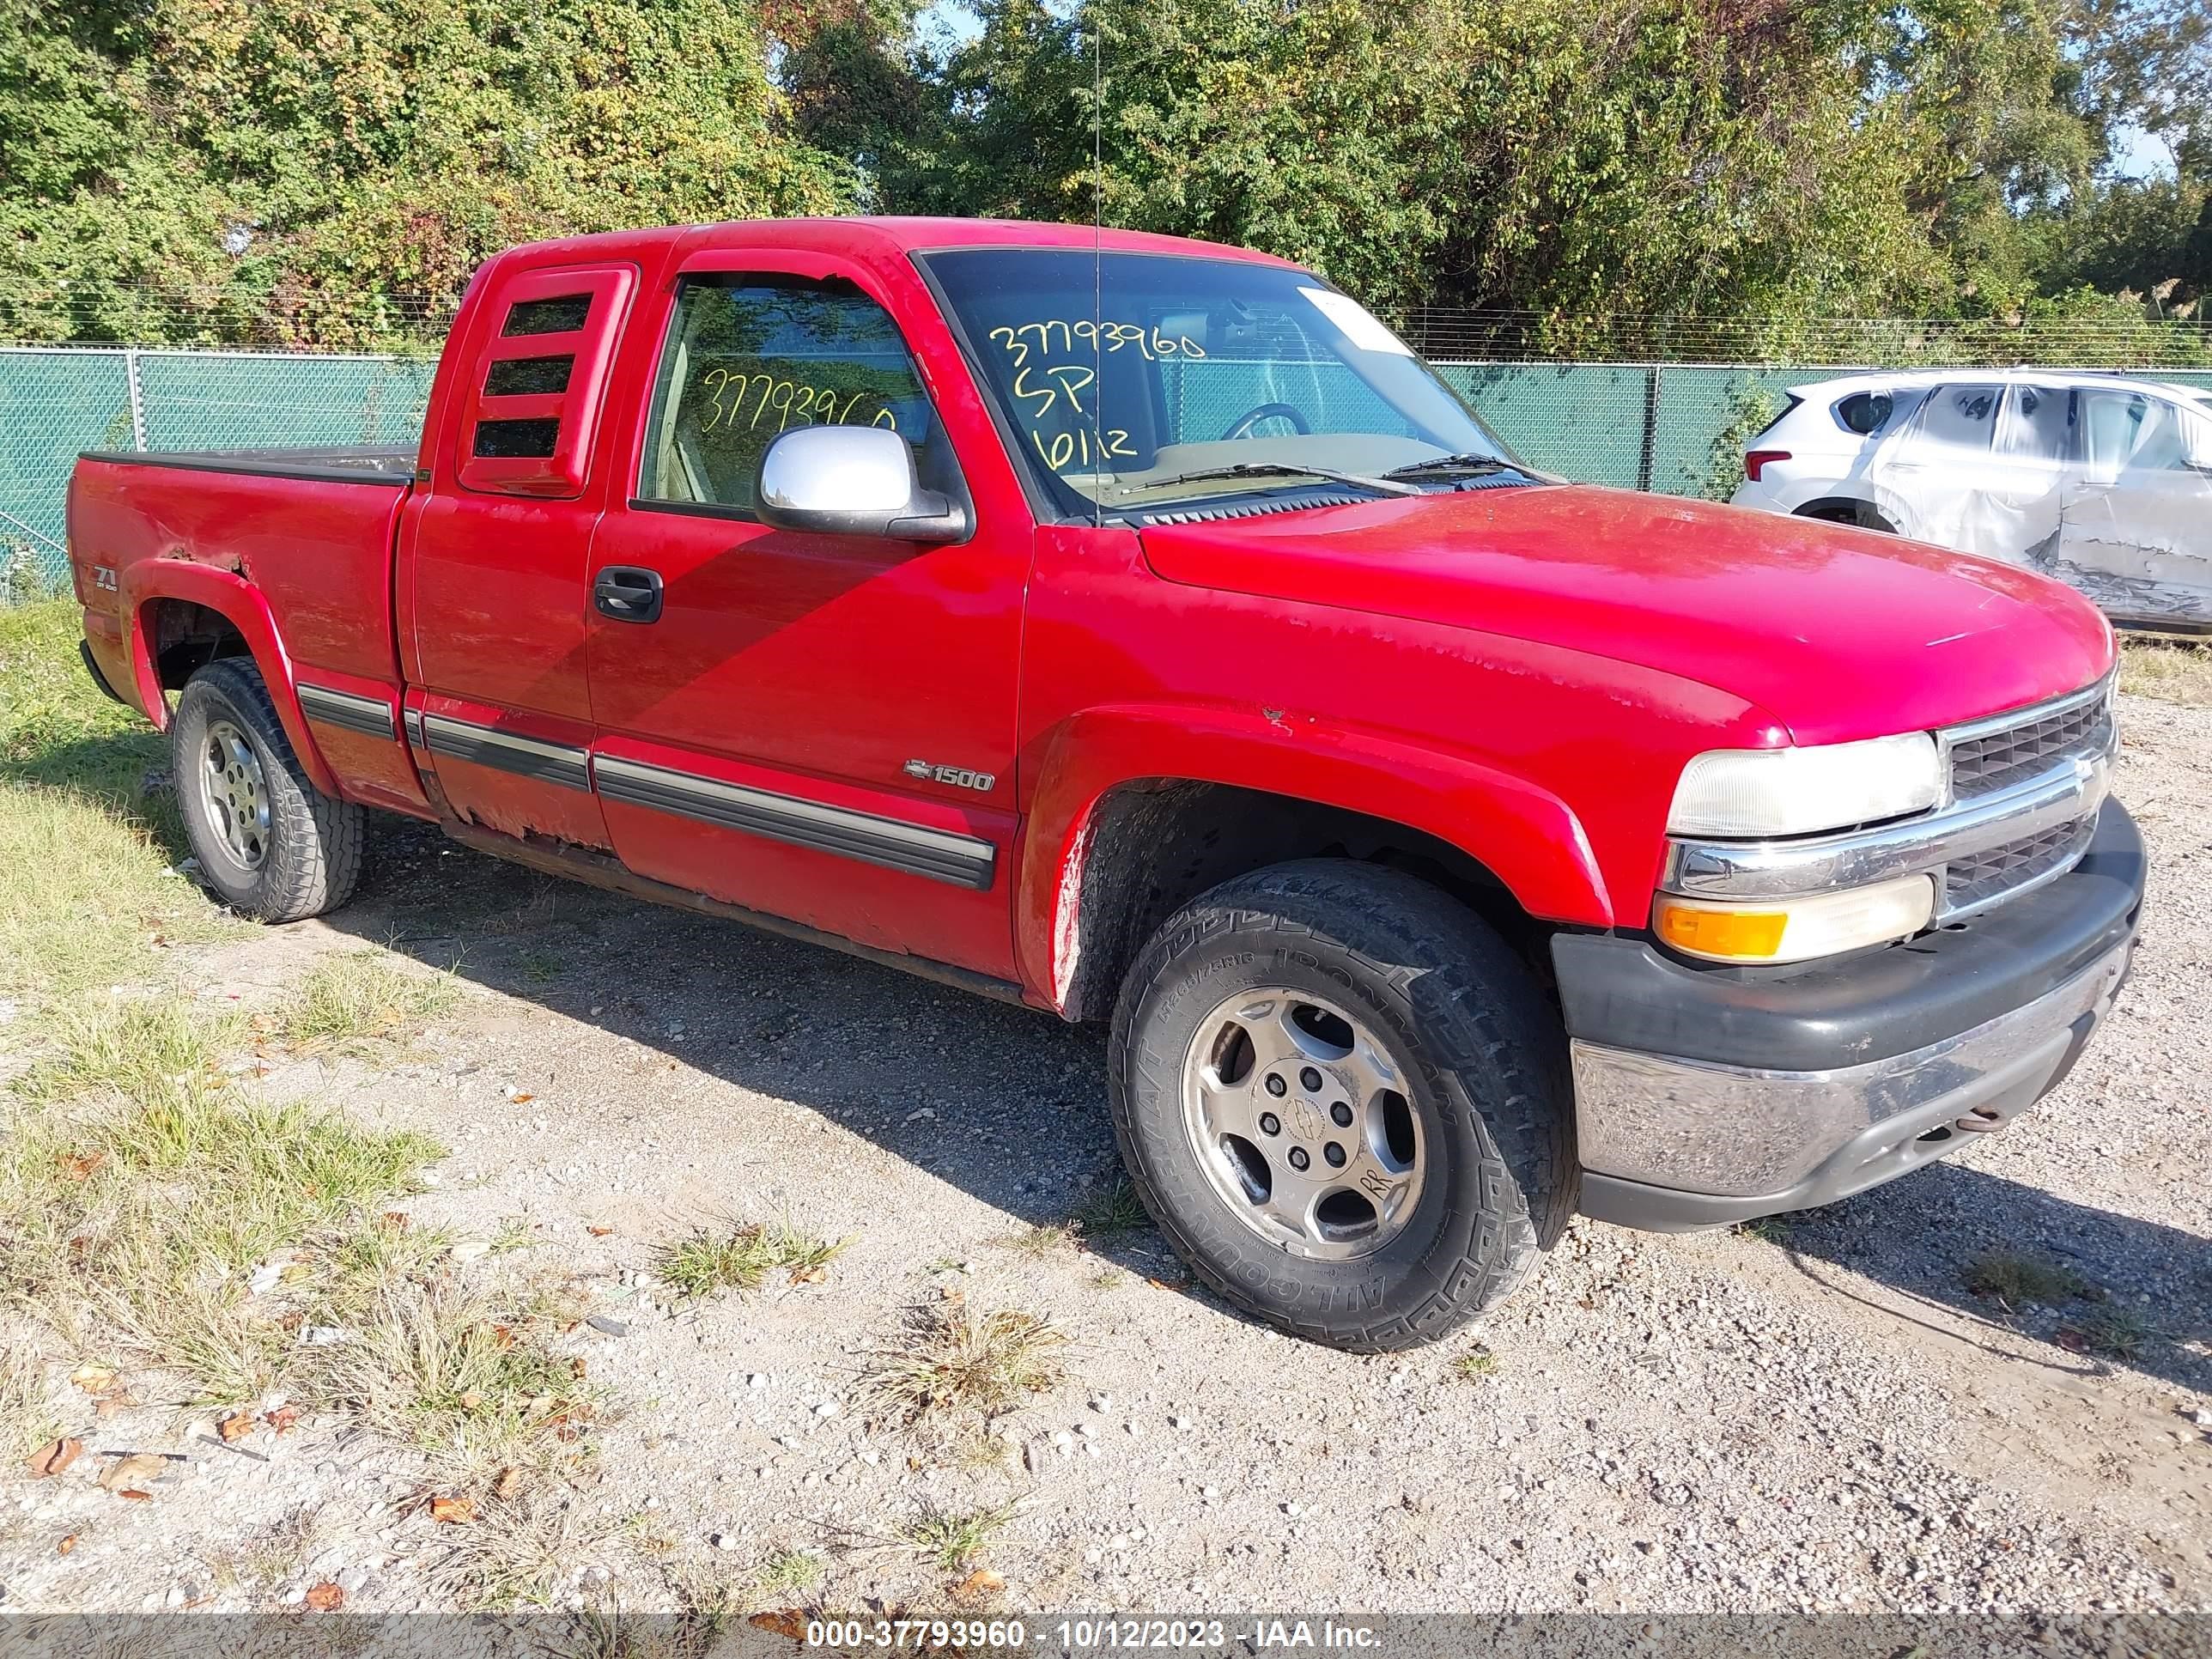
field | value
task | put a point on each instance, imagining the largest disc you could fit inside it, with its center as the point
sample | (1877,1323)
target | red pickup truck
(1135,628)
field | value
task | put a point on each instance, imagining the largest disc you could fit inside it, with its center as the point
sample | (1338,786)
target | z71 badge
(958,776)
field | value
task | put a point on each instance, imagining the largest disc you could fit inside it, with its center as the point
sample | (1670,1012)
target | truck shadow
(2119,1293)
(1006,1104)
(1009,1105)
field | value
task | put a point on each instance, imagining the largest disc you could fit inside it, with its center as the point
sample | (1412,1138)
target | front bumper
(1709,1096)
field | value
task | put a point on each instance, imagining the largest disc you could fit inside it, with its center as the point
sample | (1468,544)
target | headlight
(1795,792)
(1792,930)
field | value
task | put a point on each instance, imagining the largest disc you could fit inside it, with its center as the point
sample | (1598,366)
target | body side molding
(937,854)
(371,716)
(505,751)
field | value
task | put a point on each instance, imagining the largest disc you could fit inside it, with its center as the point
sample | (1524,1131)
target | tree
(328,169)
(1653,154)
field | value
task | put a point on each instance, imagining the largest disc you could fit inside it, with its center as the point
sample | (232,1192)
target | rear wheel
(1344,1099)
(268,840)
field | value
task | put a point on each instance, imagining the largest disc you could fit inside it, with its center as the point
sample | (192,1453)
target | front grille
(1972,884)
(1984,764)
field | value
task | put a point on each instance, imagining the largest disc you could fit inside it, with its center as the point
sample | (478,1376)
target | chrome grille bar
(2025,786)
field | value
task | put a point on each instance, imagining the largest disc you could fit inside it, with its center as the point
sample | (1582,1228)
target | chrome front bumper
(1703,1098)
(1789,1140)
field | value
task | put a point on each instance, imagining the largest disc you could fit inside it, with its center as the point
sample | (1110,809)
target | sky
(951,15)
(2138,154)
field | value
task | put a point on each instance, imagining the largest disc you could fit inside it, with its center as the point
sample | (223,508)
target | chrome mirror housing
(852,481)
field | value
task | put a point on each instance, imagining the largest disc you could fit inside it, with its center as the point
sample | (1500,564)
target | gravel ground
(1817,1415)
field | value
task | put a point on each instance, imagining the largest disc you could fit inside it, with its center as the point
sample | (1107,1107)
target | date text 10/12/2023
(1089,1635)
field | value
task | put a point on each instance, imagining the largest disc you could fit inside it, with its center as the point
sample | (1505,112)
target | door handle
(628,593)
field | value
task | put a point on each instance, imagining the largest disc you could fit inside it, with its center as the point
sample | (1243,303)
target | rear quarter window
(1865,412)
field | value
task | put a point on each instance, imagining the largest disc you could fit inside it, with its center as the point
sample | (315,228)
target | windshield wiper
(1466,463)
(1382,486)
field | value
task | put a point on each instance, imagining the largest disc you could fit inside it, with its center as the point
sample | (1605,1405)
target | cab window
(749,356)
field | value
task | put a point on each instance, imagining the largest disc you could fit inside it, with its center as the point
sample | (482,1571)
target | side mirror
(852,481)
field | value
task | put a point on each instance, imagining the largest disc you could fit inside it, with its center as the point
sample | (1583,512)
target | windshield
(1118,376)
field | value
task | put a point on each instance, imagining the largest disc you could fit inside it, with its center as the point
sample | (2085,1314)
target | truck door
(819,726)
(491,572)
(2138,533)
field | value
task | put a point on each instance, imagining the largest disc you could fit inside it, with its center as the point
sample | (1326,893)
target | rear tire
(268,840)
(1358,1018)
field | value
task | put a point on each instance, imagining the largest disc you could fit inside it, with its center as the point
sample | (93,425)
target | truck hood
(1836,633)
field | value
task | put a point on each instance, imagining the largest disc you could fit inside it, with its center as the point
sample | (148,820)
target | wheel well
(184,637)
(1152,847)
(1847,509)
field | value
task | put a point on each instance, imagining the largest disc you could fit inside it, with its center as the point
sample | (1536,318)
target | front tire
(1345,1101)
(268,840)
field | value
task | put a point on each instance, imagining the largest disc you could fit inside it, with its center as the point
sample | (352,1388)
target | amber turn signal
(1795,929)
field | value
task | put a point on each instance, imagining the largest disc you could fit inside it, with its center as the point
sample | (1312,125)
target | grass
(788,1572)
(56,727)
(2013,1280)
(1477,1365)
(466,1374)
(705,1264)
(355,997)
(953,1363)
(144,1188)
(85,890)
(158,1216)
(2174,672)
(1045,1238)
(952,1538)
(1111,1211)
(514,1233)
(2117,1334)
(272,1553)
(144,1048)
(539,966)
(518,1552)
(27,1418)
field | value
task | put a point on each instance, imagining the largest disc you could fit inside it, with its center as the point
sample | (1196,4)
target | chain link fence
(1676,427)
(56,402)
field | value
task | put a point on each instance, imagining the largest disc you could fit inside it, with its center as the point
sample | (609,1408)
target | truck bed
(379,464)
(301,537)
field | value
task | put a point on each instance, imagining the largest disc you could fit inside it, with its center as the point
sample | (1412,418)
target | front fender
(148,582)
(1526,837)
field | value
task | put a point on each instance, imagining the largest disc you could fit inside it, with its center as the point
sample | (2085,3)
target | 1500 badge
(958,776)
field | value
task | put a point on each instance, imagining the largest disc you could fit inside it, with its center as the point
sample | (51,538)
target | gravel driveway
(1816,1415)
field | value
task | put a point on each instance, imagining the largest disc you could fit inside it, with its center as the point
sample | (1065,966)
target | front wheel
(268,840)
(1345,1101)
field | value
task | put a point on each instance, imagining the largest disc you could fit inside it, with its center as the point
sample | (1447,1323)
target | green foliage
(329,170)
(1659,156)
(1752,408)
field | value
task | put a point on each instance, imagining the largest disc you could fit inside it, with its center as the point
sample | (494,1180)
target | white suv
(2101,481)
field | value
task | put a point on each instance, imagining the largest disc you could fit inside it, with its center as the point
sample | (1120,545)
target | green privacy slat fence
(1675,428)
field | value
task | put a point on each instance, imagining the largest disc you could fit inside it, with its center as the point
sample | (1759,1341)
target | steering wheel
(1242,425)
